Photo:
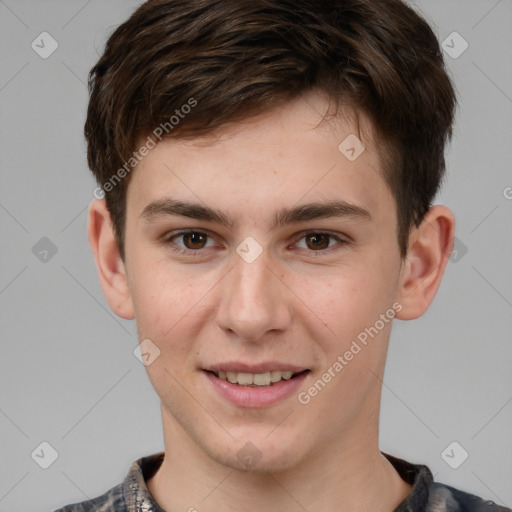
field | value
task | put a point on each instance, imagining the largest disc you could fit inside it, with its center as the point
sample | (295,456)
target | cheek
(167,302)
(349,297)
(167,312)
(347,303)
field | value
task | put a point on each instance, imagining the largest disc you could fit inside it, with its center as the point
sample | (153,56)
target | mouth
(256,380)
(253,385)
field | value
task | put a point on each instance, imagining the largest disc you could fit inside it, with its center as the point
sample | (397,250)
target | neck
(341,476)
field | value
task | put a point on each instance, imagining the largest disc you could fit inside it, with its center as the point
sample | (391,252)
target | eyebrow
(306,212)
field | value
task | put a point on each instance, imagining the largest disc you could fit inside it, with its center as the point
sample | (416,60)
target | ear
(111,268)
(430,246)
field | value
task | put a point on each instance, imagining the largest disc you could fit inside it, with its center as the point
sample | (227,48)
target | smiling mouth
(256,380)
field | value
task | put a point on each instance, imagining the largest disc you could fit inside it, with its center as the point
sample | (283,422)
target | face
(261,253)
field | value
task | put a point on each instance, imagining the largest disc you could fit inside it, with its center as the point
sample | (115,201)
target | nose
(255,300)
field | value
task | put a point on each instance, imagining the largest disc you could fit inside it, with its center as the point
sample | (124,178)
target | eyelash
(197,252)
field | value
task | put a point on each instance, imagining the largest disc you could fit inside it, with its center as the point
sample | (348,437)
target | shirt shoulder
(132,495)
(444,498)
(429,496)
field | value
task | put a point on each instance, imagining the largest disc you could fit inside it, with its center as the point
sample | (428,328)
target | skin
(296,303)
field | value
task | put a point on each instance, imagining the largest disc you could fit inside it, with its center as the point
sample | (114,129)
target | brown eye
(321,243)
(190,243)
(194,240)
(317,241)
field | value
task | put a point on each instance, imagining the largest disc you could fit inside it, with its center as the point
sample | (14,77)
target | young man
(269,169)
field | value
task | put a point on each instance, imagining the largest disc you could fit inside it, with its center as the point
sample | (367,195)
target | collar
(137,496)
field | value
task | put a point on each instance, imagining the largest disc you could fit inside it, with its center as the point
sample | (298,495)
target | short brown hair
(232,59)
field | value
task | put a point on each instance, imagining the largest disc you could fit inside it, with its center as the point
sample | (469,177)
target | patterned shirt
(132,494)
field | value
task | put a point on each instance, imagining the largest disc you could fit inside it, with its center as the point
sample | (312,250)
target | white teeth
(254,379)
(275,376)
(232,377)
(244,379)
(261,379)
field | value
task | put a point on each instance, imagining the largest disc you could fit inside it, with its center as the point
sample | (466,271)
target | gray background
(68,375)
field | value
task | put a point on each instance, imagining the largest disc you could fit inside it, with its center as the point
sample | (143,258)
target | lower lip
(259,397)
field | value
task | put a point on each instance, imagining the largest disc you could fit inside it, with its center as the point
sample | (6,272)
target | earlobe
(430,246)
(111,268)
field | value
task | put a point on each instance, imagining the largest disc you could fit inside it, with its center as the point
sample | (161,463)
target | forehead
(297,152)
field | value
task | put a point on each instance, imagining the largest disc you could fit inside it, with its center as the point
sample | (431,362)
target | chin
(251,459)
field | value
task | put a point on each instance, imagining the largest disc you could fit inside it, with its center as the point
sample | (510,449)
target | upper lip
(238,367)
